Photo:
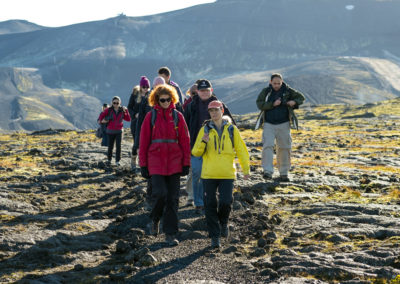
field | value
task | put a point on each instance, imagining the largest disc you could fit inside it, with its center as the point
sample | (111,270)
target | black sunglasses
(145,87)
(165,100)
(115,103)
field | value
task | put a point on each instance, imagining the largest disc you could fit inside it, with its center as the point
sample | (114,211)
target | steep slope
(212,40)
(27,104)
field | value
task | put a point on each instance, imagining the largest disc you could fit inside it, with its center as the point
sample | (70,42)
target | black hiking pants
(217,212)
(165,199)
(117,139)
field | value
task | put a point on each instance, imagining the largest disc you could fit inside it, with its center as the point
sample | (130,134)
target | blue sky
(54,13)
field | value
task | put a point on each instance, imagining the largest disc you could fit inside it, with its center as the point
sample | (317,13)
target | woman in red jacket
(114,117)
(164,154)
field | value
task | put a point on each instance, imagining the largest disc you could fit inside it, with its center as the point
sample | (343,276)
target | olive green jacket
(290,94)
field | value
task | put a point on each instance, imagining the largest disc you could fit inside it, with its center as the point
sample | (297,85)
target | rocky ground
(67,218)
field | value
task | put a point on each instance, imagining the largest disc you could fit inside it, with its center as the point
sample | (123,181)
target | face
(115,103)
(164,101)
(144,89)
(165,77)
(215,113)
(205,94)
(276,83)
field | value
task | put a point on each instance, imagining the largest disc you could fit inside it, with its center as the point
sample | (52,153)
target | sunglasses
(165,100)
(145,87)
(115,103)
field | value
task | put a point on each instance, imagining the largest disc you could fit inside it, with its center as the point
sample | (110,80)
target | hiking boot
(284,178)
(153,228)
(117,163)
(189,203)
(215,243)
(171,240)
(267,175)
(224,230)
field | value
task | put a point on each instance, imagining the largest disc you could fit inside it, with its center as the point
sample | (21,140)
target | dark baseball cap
(203,84)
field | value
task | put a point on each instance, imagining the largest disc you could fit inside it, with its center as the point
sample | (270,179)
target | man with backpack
(277,102)
(196,113)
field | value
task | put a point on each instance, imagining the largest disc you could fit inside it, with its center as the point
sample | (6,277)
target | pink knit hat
(158,81)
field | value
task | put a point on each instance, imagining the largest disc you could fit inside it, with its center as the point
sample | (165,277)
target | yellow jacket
(218,153)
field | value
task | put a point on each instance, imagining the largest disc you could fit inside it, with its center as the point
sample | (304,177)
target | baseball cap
(216,104)
(203,84)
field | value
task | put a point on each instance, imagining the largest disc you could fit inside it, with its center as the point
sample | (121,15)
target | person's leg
(159,195)
(118,141)
(225,189)
(170,219)
(111,139)
(197,163)
(210,206)
(283,148)
(268,140)
(189,188)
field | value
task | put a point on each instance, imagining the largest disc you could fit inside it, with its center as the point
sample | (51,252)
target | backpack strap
(231,130)
(175,117)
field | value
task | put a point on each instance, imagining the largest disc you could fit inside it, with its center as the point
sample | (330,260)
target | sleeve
(261,103)
(131,104)
(199,147)
(184,140)
(241,152)
(297,97)
(145,139)
(103,115)
(127,117)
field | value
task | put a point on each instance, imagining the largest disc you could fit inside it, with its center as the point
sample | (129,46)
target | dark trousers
(217,212)
(165,197)
(117,138)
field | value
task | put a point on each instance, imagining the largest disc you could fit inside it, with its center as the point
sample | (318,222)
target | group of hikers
(196,136)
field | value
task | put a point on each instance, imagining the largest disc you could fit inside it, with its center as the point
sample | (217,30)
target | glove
(144,171)
(185,170)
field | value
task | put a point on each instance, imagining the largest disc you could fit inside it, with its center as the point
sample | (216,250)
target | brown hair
(165,71)
(276,75)
(163,90)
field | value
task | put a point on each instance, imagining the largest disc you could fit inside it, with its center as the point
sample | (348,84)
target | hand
(277,102)
(144,171)
(124,109)
(291,103)
(104,121)
(185,170)
(206,137)
(246,177)
(136,115)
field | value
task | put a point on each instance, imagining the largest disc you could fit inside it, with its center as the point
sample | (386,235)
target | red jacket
(115,119)
(164,158)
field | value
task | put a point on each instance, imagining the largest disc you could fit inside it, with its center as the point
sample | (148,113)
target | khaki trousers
(281,134)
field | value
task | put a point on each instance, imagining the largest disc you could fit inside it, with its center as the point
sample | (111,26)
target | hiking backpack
(231,129)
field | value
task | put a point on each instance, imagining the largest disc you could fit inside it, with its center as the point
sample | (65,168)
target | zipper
(223,142)
(215,144)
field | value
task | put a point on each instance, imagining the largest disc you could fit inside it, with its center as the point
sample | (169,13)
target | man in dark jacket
(166,74)
(276,103)
(196,113)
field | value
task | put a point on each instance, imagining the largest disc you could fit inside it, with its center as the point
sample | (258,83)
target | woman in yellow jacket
(218,142)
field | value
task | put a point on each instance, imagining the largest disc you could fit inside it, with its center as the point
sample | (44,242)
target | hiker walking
(138,94)
(114,117)
(196,113)
(277,102)
(219,142)
(164,154)
(104,137)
